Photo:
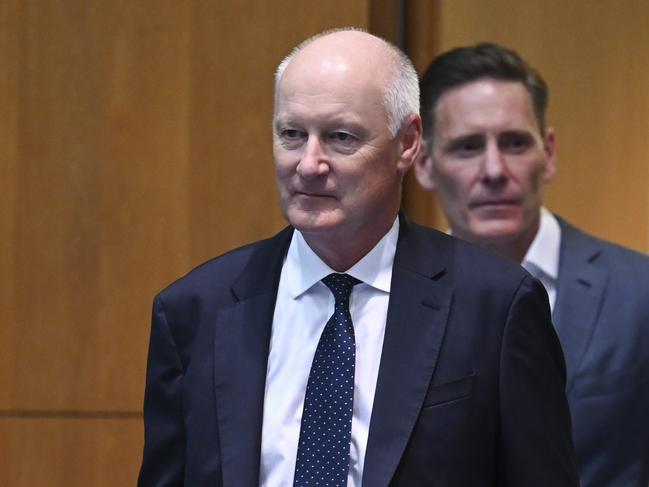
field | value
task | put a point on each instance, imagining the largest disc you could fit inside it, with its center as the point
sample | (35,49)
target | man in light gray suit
(488,155)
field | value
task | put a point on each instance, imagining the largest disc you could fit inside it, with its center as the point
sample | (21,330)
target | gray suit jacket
(602,319)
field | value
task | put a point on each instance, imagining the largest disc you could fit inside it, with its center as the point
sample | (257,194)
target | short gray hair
(401,95)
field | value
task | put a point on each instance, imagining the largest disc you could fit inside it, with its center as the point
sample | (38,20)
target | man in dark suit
(488,155)
(355,347)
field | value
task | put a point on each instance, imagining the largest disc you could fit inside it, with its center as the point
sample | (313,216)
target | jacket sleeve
(164,450)
(535,444)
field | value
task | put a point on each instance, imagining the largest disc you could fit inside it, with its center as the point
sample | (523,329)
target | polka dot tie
(325,434)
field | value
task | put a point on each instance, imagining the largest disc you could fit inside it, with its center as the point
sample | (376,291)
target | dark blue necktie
(326,430)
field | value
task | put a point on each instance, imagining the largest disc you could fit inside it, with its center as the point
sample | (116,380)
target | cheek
(283,165)
(280,173)
(282,181)
(533,179)
(453,185)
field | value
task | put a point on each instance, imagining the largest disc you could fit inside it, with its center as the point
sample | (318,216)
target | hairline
(428,134)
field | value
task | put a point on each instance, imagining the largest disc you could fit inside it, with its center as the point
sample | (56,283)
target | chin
(496,232)
(313,221)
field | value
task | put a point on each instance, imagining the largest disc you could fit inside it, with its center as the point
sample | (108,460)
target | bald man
(354,348)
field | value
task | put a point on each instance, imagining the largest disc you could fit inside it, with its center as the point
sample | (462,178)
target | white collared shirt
(303,307)
(542,257)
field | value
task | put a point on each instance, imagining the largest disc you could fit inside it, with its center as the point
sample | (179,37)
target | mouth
(312,194)
(494,203)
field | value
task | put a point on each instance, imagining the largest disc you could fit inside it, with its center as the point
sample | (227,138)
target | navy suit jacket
(602,319)
(470,389)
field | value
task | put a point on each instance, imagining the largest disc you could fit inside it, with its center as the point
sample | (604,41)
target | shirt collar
(304,268)
(543,253)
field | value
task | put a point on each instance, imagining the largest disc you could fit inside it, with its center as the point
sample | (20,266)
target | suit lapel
(579,296)
(242,337)
(415,327)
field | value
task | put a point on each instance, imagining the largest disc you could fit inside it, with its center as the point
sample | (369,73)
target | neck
(513,252)
(517,248)
(341,252)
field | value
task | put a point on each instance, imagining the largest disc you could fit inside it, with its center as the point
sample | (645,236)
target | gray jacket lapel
(582,284)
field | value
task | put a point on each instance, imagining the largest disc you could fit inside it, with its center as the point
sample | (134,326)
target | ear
(424,168)
(550,148)
(410,143)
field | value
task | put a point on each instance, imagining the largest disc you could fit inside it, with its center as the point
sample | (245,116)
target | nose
(313,162)
(494,169)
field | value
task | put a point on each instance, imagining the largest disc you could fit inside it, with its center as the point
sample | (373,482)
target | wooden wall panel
(8,149)
(69,452)
(422,44)
(142,140)
(595,58)
(99,212)
(135,142)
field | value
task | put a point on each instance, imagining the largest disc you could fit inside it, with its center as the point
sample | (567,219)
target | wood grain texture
(422,44)
(99,206)
(70,452)
(135,143)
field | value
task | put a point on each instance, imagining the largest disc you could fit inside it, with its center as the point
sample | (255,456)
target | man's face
(488,162)
(338,170)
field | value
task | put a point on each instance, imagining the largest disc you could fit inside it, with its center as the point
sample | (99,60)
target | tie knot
(340,285)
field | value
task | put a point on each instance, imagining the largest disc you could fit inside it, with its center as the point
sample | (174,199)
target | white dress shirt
(542,258)
(303,307)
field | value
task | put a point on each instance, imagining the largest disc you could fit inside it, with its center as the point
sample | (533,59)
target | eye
(291,138)
(515,142)
(290,134)
(466,147)
(343,142)
(342,137)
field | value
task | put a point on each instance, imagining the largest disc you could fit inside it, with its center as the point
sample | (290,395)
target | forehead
(485,105)
(330,77)
(330,71)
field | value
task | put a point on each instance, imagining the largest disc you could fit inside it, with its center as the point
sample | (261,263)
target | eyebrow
(517,132)
(333,123)
(480,136)
(453,142)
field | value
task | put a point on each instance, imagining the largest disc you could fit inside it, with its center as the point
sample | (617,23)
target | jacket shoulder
(215,277)
(616,258)
(464,258)
(196,297)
